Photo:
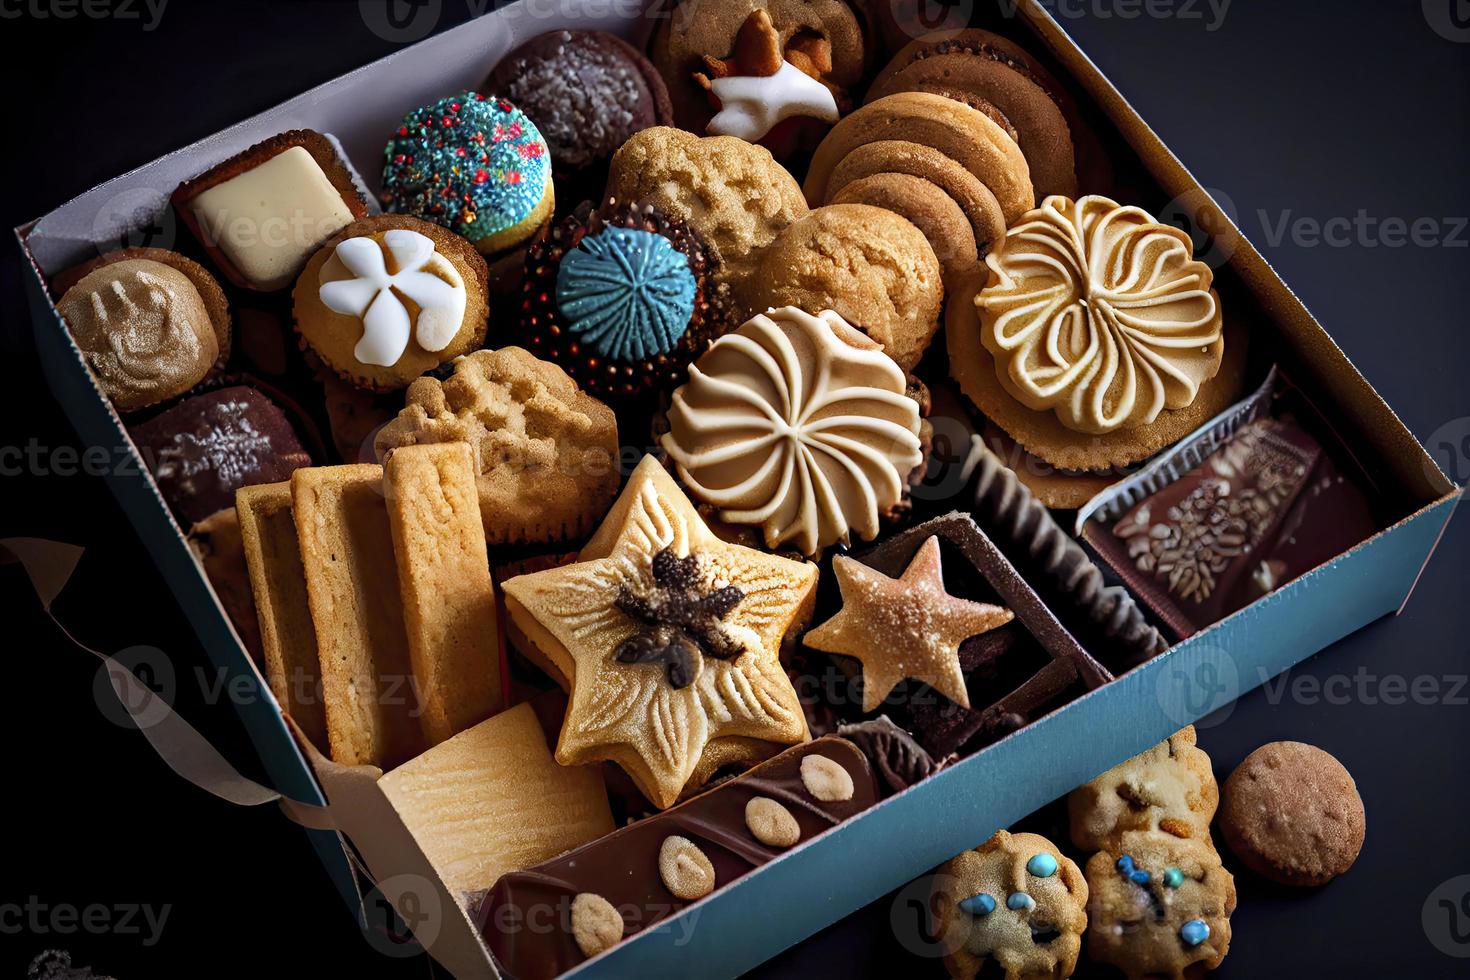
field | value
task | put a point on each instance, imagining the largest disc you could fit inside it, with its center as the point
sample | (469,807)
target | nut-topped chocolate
(537,921)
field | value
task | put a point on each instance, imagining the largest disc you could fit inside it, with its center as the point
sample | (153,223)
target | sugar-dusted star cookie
(667,638)
(904,627)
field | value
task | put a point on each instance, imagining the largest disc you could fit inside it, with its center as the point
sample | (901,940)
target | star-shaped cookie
(904,627)
(668,638)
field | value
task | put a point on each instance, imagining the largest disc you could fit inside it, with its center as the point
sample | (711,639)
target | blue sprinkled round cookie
(474,164)
(621,299)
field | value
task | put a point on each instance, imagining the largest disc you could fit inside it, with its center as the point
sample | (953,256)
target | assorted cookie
(768,341)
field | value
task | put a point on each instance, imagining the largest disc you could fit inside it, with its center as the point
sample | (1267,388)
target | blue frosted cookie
(474,164)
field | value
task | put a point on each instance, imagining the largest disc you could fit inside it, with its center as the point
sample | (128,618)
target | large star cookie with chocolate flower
(667,638)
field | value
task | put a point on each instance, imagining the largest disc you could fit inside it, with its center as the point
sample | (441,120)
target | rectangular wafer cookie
(444,578)
(287,637)
(352,585)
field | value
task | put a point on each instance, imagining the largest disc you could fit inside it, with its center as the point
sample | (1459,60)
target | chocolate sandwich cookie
(651,870)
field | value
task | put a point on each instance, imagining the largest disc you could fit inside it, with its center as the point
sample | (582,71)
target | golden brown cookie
(546,451)
(733,194)
(966,135)
(1168,788)
(669,638)
(870,265)
(1044,436)
(444,578)
(145,330)
(216,541)
(1292,813)
(1159,906)
(1014,904)
(825,39)
(987,223)
(971,66)
(278,583)
(930,209)
(390,297)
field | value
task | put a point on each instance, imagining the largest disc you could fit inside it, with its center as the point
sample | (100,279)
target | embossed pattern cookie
(667,637)
(799,425)
(1015,905)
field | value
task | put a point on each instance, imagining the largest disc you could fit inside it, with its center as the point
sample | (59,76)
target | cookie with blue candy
(1015,905)
(1159,906)
(622,298)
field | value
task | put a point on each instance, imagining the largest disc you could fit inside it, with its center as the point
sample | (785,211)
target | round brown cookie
(587,91)
(1292,814)
(966,135)
(1169,788)
(697,30)
(390,297)
(870,265)
(1159,906)
(1015,903)
(987,223)
(1056,489)
(546,450)
(1045,437)
(970,64)
(733,194)
(208,286)
(930,209)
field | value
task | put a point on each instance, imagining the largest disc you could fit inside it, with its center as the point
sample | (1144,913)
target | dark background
(1296,112)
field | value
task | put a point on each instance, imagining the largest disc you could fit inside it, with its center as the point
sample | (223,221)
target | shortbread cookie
(904,627)
(1159,906)
(278,582)
(797,424)
(966,135)
(1015,905)
(262,212)
(870,265)
(930,209)
(491,800)
(145,330)
(1169,788)
(444,575)
(390,297)
(622,298)
(733,194)
(352,586)
(971,68)
(546,452)
(669,638)
(1292,813)
(476,165)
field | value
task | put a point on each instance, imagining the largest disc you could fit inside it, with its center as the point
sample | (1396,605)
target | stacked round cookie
(1159,899)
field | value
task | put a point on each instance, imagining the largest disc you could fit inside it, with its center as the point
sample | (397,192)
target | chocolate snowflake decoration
(678,623)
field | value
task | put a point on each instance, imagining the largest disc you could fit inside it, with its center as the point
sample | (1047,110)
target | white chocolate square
(269,219)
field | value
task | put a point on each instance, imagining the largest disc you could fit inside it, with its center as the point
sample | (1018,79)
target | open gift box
(818,882)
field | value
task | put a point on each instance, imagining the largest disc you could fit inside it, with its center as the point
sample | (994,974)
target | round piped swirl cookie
(474,164)
(620,298)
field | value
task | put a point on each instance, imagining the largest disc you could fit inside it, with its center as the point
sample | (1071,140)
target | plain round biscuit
(930,209)
(1044,436)
(870,265)
(1041,129)
(1292,813)
(987,223)
(733,194)
(967,135)
(334,336)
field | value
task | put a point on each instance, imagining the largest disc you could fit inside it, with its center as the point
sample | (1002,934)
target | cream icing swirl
(1099,313)
(799,424)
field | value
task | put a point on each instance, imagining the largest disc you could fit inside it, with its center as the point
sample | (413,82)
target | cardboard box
(815,884)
